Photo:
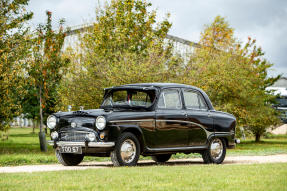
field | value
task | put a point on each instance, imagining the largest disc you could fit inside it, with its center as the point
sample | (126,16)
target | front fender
(229,138)
(116,130)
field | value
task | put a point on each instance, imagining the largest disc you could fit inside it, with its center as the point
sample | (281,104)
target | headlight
(101,122)
(51,122)
(54,135)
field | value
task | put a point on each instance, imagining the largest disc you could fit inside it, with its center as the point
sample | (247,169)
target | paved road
(195,161)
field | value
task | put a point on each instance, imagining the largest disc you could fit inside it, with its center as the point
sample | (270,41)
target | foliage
(46,68)
(14,46)
(125,45)
(29,103)
(234,76)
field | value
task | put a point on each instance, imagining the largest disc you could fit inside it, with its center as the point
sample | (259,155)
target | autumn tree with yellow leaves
(14,47)
(234,76)
(46,68)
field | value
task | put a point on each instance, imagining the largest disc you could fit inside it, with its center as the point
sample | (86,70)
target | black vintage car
(149,119)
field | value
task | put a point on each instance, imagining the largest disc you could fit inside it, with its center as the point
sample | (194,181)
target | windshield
(130,98)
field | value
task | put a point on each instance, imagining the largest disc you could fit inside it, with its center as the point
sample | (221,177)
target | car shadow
(170,163)
(143,163)
(147,163)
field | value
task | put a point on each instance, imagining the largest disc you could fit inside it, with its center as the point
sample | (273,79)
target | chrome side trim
(223,133)
(90,144)
(139,120)
(208,133)
(177,148)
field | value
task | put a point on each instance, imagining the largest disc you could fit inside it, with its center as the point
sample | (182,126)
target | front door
(200,120)
(171,129)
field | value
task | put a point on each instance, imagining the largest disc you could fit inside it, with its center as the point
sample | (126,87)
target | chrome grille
(73,135)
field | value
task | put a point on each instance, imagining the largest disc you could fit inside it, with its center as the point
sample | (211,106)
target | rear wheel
(161,158)
(68,159)
(216,151)
(127,150)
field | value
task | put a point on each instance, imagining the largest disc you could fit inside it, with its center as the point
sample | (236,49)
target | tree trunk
(34,125)
(257,137)
(41,111)
(42,135)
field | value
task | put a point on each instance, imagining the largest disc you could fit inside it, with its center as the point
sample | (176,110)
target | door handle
(184,113)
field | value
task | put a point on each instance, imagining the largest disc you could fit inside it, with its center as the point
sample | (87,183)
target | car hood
(82,113)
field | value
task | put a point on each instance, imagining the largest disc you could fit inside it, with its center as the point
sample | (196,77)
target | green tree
(14,47)
(30,105)
(125,45)
(234,76)
(46,69)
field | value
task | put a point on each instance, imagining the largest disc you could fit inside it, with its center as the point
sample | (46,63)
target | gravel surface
(195,161)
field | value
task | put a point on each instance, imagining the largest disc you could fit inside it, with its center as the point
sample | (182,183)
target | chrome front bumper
(83,144)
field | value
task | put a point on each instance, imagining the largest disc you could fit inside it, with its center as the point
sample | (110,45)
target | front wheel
(126,151)
(216,151)
(68,159)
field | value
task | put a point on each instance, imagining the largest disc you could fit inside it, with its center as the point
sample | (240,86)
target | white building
(182,46)
(280,88)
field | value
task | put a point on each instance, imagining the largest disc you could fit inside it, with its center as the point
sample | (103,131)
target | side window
(169,99)
(193,100)
(141,99)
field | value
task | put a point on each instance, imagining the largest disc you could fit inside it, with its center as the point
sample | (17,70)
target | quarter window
(169,99)
(193,100)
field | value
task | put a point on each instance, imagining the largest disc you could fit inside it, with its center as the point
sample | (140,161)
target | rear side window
(169,99)
(141,99)
(193,100)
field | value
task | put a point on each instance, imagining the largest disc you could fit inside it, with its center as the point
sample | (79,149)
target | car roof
(158,85)
(147,86)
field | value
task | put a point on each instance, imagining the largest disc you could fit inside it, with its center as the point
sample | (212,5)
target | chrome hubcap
(128,151)
(216,148)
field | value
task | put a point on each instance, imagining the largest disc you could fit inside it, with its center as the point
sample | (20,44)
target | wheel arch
(138,133)
(224,137)
(225,140)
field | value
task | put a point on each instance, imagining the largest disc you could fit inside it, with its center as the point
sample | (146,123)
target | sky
(264,20)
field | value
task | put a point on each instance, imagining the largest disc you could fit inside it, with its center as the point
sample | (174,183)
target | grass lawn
(191,177)
(22,148)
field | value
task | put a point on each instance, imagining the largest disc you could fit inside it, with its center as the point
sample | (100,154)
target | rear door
(171,129)
(200,120)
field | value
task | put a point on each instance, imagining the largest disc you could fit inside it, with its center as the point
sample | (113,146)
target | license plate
(71,149)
